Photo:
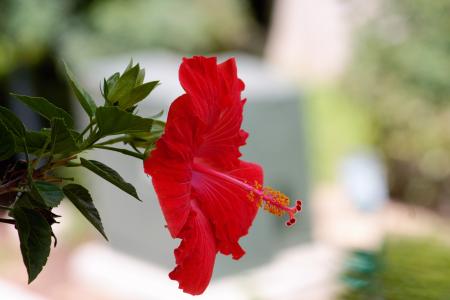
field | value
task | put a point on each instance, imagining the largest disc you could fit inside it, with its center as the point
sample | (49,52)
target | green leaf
(146,139)
(157,115)
(82,200)
(140,78)
(121,150)
(130,65)
(111,120)
(158,126)
(110,175)
(48,193)
(45,108)
(108,84)
(139,93)
(83,97)
(7,144)
(13,123)
(62,139)
(122,88)
(34,140)
(25,200)
(35,236)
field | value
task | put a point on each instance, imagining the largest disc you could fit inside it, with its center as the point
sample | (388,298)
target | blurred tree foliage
(187,26)
(401,72)
(76,29)
(29,33)
(27,30)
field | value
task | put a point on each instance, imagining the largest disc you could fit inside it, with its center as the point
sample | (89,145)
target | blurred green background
(401,75)
(405,268)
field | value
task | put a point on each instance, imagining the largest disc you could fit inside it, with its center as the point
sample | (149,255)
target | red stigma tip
(288,223)
(292,221)
(298,205)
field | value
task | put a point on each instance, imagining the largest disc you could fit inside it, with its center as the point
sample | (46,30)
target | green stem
(10,190)
(136,149)
(29,165)
(113,141)
(88,127)
(41,153)
(90,141)
(72,164)
(123,151)
(60,178)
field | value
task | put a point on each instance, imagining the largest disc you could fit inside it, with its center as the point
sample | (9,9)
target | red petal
(169,165)
(196,255)
(174,199)
(227,205)
(215,91)
(178,140)
(203,128)
(198,77)
(231,85)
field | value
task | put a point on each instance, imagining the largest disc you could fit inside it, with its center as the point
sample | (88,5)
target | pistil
(270,199)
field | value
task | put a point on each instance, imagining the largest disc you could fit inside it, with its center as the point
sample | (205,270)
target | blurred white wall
(311,40)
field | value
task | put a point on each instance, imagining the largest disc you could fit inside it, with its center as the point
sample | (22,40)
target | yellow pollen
(273,201)
(277,197)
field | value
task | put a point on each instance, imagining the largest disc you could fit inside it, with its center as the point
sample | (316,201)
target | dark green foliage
(62,139)
(7,144)
(47,193)
(147,139)
(112,120)
(12,122)
(30,188)
(34,140)
(140,92)
(128,89)
(82,200)
(121,89)
(83,97)
(35,239)
(45,108)
(110,175)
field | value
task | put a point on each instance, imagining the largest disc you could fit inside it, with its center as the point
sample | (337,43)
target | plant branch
(9,190)
(10,183)
(113,141)
(91,140)
(123,151)
(89,126)
(8,221)
(72,164)
(5,207)
(62,162)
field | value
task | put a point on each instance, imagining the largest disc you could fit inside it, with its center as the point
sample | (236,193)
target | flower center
(270,199)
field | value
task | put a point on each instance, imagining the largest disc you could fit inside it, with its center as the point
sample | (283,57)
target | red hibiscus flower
(209,196)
